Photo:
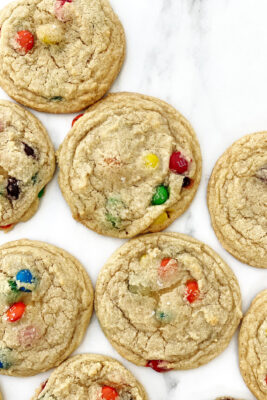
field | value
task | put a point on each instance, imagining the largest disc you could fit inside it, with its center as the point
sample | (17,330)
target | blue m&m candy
(24,276)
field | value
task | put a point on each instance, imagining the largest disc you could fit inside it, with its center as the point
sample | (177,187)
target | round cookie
(237,198)
(65,54)
(27,163)
(253,347)
(130,164)
(167,301)
(91,376)
(46,301)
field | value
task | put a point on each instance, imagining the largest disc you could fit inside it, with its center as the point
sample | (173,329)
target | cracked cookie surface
(46,300)
(237,199)
(167,301)
(91,377)
(27,163)
(253,347)
(130,164)
(59,56)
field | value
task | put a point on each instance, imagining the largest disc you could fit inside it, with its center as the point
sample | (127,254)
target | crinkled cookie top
(91,377)
(59,56)
(237,199)
(253,347)
(27,163)
(168,301)
(131,163)
(46,301)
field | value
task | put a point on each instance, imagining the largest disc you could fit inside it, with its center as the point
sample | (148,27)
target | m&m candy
(15,312)
(24,276)
(25,40)
(178,163)
(192,291)
(158,365)
(109,393)
(161,195)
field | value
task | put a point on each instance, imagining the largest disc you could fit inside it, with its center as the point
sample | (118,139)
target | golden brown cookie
(253,347)
(130,164)
(167,301)
(46,301)
(59,56)
(91,377)
(27,164)
(237,199)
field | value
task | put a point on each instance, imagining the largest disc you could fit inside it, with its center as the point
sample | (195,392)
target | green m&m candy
(161,195)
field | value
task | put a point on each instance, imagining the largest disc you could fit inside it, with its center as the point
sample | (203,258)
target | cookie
(225,398)
(237,198)
(131,164)
(46,300)
(65,54)
(27,164)
(91,376)
(167,301)
(253,347)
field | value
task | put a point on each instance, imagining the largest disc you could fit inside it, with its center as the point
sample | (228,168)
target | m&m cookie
(59,56)
(130,164)
(237,199)
(27,164)
(46,301)
(167,301)
(91,376)
(253,347)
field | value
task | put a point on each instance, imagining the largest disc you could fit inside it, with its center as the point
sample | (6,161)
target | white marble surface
(208,58)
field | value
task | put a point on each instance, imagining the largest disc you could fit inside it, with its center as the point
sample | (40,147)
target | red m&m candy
(178,163)
(109,393)
(192,291)
(158,365)
(15,312)
(168,268)
(76,119)
(25,40)
(6,226)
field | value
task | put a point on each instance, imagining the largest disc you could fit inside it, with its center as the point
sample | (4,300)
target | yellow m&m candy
(151,160)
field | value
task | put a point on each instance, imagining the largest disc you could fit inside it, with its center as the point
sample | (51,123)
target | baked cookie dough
(130,164)
(237,199)
(27,164)
(59,56)
(91,376)
(253,347)
(168,301)
(46,301)
(225,398)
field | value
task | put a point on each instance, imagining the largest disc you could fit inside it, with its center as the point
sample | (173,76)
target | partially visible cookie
(91,377)
(253,347)
(59,56)
(46,302)
(27,163)
(130,164)
(225,398)
(237,199)
(167,301)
